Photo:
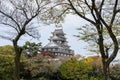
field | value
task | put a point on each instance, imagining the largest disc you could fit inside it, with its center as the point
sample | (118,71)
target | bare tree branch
(10,17)
(114,13)
(80,14)
(10,26)
(5,37)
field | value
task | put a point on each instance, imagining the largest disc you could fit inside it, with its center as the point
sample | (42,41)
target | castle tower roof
(58,31)
(55,37)
(51,45)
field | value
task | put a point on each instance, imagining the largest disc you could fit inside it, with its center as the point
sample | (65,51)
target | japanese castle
(58,44)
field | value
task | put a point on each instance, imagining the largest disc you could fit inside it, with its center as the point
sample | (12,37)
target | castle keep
(58,44)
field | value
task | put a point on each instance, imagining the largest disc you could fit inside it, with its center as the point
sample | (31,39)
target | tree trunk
(18,52)
(17,66)
(106,71)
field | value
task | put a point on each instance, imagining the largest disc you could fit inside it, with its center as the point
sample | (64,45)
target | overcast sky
(70,25)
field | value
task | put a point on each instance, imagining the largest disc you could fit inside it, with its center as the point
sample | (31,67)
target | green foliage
(22,79)
(31,49)
(6,67)
(94,78)
(7,50)
(75,70)
(6,62)
(40,66)
(89,69)
(42,78)
(115,72)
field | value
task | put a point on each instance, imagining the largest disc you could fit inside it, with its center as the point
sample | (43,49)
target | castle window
(55,53)
(49,49)
(53,49)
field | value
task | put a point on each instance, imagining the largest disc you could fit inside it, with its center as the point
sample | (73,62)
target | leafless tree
(18,18)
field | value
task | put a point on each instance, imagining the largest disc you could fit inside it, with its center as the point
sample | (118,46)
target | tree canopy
(31,49)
